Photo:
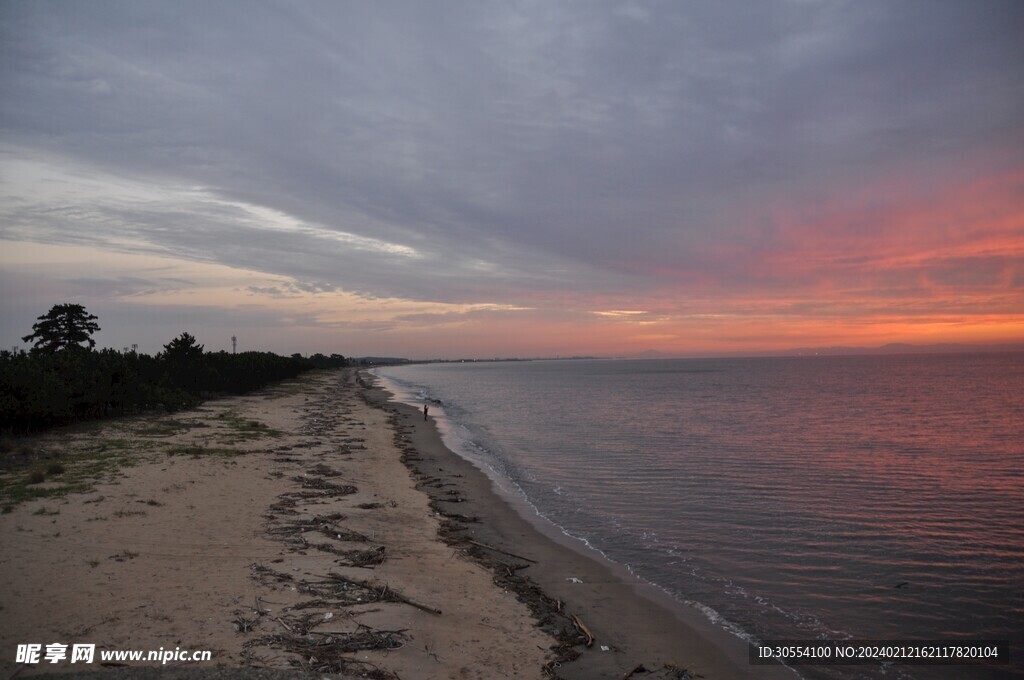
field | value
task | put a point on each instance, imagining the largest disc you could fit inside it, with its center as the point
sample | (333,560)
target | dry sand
(298,527)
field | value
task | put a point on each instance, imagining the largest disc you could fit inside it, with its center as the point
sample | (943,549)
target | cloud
(575,157)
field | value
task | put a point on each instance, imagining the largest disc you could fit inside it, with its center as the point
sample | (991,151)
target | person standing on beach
(425,409)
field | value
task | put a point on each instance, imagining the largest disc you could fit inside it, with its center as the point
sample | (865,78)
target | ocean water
(813,497)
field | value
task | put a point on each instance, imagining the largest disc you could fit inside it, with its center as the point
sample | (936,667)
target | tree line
(64,379)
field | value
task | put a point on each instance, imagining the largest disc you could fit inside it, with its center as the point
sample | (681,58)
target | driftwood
(331,531)
(465,519)
(323,471)
(348,591)
(312,524)
(367,559)
(638,669)
(322,484)
(243,624)
(268,576)
(499,550)
(329,652)
(422,607)
(292,532)
(582,627)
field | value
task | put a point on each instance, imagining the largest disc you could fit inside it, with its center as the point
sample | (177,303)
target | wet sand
(314,526)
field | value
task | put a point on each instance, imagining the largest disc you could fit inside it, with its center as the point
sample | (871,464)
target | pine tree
(63,327)
(183,349)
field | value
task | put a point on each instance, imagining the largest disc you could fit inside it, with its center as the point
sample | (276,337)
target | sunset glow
(733,196)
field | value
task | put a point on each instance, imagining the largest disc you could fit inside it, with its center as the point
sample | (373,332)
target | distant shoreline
(892,349)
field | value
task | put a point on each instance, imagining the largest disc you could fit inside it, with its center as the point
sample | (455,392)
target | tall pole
(234,344)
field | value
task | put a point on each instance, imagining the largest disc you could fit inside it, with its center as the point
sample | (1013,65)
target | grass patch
(194,451)
(129,513)
(82,455)
(158,430)
(105,446)
(167,427)
(285,389)
(205,451)
(15,491)
(15,454)
(82,464)
(243,429)
(45,512)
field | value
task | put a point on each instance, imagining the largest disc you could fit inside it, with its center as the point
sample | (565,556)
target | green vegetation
(16,489)
(244,429)
(160,430)
(81,464)
(64,380)
(203,451)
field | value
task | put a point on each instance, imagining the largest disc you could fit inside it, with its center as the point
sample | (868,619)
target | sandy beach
(315,526)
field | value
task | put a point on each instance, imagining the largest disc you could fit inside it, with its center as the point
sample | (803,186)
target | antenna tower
(234,344)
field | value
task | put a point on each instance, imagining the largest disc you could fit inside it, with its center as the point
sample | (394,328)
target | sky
(518,178)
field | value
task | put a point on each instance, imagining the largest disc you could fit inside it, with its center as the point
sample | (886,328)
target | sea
(810,498)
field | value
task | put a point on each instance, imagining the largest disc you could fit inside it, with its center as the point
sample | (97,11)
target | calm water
(784,498)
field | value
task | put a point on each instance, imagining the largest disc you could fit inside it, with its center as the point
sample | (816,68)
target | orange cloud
(949,237)
(897,260)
